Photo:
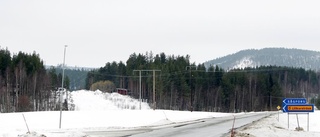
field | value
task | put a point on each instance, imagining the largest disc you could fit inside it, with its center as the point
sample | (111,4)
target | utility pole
(191,96)
(139,86)
(154,85)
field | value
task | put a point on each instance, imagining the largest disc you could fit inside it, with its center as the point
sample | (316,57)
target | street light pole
(63,67)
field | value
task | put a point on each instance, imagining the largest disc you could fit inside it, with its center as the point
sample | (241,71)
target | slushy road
(213,127)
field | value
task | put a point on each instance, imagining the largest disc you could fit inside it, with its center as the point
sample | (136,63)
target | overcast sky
(101,31)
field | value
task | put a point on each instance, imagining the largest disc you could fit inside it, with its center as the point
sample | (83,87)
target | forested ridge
(25,84)
(182,85)
(297,58)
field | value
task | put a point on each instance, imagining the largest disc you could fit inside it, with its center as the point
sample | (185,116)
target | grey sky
(101,31)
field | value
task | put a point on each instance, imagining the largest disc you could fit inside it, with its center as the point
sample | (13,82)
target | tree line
(25,84)
(75,75)
(182,85)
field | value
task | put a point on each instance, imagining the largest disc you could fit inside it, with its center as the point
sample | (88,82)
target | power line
(154,84)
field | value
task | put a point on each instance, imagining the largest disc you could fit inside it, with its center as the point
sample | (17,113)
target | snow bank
(271,127)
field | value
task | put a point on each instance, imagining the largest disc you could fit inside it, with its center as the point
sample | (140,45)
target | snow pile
(96,100)
(271,127)
(32,134)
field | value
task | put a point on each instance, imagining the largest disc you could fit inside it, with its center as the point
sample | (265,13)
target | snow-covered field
(103,111)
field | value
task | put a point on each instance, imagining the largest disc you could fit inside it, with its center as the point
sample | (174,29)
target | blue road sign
(295,101)
(306,108)
(292,101)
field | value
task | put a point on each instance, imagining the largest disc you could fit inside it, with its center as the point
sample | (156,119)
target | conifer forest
(26,84)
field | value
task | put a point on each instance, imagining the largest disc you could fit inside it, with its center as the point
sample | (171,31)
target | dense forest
(25,84)
(182,85)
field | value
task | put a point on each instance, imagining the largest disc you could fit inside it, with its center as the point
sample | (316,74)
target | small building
(123,91)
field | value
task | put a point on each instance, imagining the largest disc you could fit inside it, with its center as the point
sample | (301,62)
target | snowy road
(214,127)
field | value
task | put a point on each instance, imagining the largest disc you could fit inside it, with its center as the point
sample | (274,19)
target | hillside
(296,58)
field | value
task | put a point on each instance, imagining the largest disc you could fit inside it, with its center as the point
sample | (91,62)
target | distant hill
(296,58)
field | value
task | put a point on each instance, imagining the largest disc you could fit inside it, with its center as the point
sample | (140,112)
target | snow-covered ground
(272,127)
(103,111)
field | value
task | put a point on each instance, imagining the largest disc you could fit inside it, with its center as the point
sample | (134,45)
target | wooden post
(288,121)
(308,122)
(154,90)
(232,130)
(26,123)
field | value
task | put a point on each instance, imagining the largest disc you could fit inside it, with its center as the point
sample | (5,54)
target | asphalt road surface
(213,127)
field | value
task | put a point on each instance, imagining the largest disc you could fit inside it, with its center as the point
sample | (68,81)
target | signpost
(278,113)
(297,106)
